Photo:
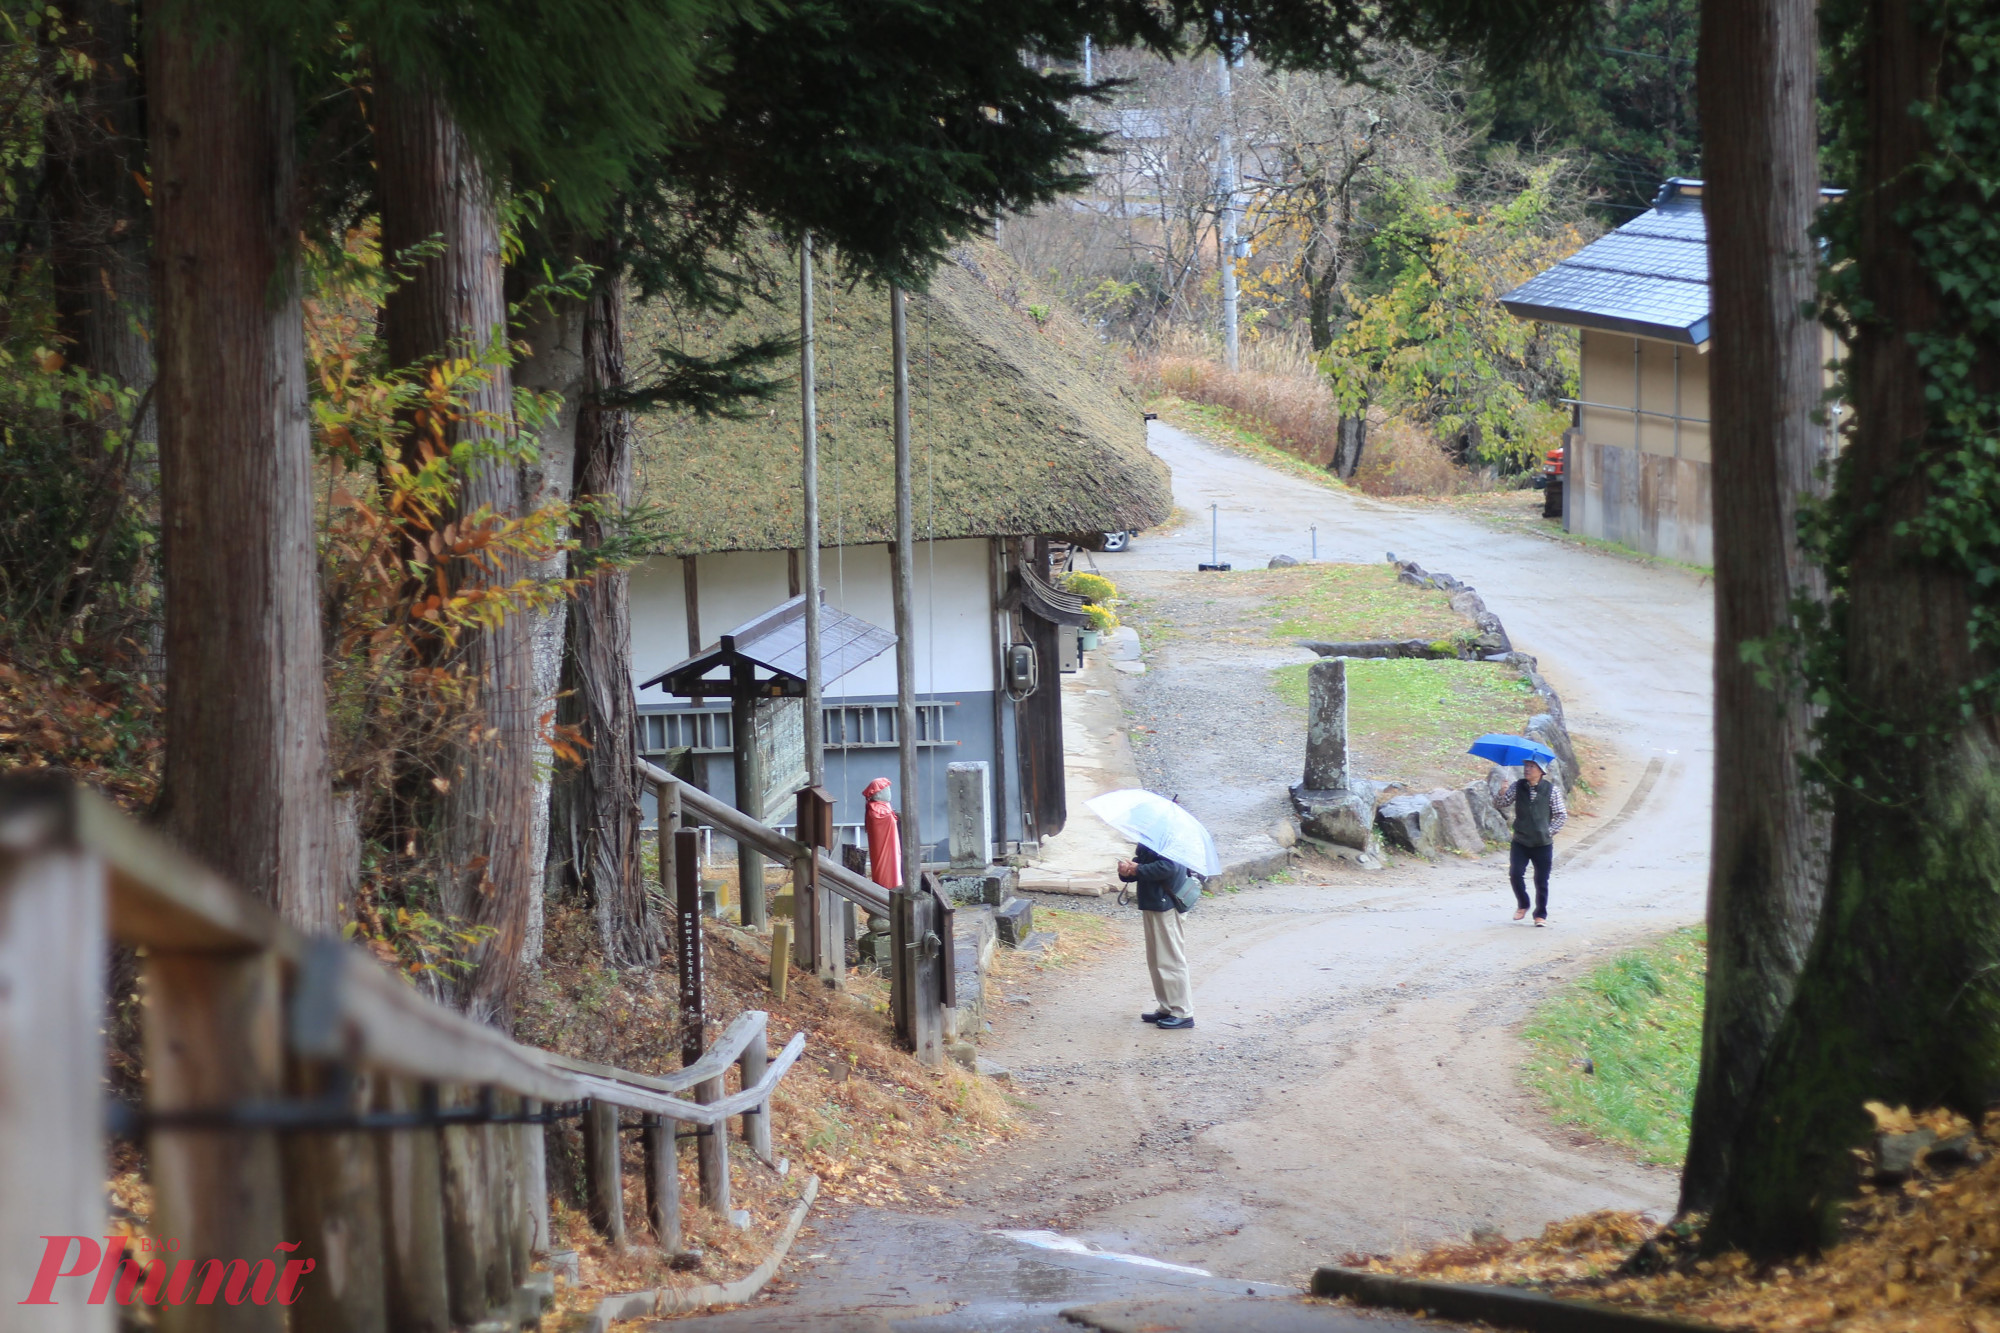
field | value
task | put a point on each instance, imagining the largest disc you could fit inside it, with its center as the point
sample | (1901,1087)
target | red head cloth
(885,841)
(879,784)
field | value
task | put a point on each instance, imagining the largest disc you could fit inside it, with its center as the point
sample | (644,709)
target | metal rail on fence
(297,1094)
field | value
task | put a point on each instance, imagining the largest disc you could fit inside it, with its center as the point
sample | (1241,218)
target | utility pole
(903,581)
(1227,168)
(809,487)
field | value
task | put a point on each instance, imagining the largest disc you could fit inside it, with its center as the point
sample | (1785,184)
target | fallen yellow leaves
(1920,1254)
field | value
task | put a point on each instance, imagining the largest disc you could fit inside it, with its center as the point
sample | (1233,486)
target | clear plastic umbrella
(1157,822)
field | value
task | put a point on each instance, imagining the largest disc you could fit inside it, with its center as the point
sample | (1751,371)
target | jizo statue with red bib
(885,838)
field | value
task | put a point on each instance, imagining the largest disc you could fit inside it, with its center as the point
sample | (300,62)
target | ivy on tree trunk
(434,189)
(1899,1000)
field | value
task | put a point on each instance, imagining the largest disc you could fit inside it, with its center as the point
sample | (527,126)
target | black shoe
(1153,1017)
(1170,1022)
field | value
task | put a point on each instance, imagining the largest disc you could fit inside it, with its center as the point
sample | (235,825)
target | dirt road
(1351,1080)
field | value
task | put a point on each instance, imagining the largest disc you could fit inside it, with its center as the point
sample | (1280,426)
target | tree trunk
(247,787)
(1898,999)
(597,813)
(432,185)
(554,364)
(1767,866)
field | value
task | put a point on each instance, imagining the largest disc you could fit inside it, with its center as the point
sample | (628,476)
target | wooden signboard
(690,944)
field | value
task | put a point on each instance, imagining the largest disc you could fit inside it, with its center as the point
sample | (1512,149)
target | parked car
(1104,541)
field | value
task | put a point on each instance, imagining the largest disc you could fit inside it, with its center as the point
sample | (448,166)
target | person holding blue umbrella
(1539,814)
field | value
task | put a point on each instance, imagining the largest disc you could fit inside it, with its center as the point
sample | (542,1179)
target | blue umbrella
(1512,751)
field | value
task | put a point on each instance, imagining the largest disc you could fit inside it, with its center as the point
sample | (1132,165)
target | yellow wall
(1608,377)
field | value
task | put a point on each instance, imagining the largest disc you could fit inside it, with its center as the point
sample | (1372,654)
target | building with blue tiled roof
(1637,456)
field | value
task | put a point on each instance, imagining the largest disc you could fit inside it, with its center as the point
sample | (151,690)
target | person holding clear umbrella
(1172,843)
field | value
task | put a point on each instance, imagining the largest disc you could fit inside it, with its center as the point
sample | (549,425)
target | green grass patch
(1412,718)
(1344,603)
(1638,1020)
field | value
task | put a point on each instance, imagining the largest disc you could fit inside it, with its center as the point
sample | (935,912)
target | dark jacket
(1159,881)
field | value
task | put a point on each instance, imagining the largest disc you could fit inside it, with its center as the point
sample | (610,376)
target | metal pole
(1214,556)
(1314,530)
(1229,223)
(903,584)
(809,486)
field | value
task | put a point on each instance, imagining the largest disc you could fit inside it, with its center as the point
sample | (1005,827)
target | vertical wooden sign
(688,938)
(816,912)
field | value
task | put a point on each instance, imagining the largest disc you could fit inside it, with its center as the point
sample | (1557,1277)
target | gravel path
(1207,724)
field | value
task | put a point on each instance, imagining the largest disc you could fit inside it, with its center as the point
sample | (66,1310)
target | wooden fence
(921,984)
(302,1104)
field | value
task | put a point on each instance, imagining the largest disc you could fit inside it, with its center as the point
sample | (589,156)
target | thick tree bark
(597,805)
(432,185)
(554,364)
(1767,865)
(247,785)
(1900,996)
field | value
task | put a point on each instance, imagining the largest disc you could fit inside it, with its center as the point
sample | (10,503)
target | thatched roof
(1019,426)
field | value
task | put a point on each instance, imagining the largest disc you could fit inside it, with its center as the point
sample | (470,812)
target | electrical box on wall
(1022,670)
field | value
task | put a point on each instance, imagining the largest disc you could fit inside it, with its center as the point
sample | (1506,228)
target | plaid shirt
(1558,812)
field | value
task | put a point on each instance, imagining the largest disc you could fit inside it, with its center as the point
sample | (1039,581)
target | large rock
(1016,921)
(1547,729)
(1326,725)
(1458,830)
(1492,634)
(1374,648)
(1493,825)
(1282,562)
(1410,823)
(1342,817)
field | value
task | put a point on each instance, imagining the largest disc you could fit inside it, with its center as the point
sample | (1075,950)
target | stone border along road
(1352,1081)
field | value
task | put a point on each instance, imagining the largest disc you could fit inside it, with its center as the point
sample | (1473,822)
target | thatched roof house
(1021,423)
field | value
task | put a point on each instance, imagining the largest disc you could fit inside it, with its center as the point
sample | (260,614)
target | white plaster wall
(954,639)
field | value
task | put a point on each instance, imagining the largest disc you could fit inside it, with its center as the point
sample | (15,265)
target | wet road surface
(1351,1083)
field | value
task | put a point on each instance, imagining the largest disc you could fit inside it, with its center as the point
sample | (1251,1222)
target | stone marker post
(1326,725)
(968,809)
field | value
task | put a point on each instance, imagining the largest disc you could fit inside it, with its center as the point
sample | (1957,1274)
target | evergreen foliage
(1625,99)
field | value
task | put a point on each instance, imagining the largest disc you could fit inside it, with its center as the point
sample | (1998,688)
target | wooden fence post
(471,1233)
(535,1180)
(516,1222)
(212,1041)
(663,1181)
(781,957)
(51,1059)
(915,988)
(756,1058)
(713,1152)
(333,1205)
(805,914)
(603,1184)
(667,801)
(417,1293)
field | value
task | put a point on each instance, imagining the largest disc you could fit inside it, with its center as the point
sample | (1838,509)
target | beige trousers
(1166,959)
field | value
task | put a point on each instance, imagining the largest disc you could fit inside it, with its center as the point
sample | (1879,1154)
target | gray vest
(1531,813)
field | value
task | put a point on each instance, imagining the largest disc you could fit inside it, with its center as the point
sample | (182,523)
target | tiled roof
(1649,277)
